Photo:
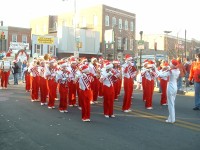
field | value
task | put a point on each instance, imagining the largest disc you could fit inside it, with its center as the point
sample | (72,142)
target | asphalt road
(25,125)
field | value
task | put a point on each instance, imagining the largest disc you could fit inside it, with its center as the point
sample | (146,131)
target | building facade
(15,38)
(98,18)
(170,46)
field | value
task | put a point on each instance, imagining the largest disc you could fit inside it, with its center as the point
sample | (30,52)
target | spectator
(187,66)
(24,65)
(195,76)
(15,69)
(19,63)
(182,74)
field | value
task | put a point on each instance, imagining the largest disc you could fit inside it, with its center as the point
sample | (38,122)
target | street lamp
(166,42)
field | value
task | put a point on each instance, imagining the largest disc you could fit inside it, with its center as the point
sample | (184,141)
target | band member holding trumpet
(50,75)
(84,79)
(163,84)
(35,80)
(72,83)
(107,78)
(95,70)
(62,78)
(150,74)
(118,74)
(128,72)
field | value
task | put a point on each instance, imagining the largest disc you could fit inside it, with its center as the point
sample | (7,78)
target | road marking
(180,123)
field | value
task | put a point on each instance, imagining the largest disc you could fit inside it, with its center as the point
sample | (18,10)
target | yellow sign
(45,40)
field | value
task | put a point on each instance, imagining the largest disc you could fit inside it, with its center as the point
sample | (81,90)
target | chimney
(1,23)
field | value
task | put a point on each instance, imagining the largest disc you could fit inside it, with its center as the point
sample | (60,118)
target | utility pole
(141,33)
(185,45)
(166,42)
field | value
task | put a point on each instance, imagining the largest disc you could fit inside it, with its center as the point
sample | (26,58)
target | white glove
(63,79)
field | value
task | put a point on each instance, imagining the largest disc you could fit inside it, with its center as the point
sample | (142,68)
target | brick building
(99,19)
(16,38)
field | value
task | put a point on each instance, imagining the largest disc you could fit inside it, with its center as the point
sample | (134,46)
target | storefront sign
(45,40)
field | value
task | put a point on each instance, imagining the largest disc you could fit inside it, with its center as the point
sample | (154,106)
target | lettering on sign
(45,40)
(18,45)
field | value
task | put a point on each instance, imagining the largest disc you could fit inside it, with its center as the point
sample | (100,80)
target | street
(26,125)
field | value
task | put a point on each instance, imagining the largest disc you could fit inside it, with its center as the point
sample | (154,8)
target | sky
(152,16)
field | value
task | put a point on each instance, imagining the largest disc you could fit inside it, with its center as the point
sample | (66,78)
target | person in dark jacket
(15,69)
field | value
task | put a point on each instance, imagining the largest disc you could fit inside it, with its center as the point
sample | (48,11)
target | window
(14,38)
(131,44)
(95,21)
(38,49)
(107,20)
(114,22)
(55,25)
(120,23)
(51,49)
(125,43)
(126,25)
(24,39)
(132,26)
(119,43)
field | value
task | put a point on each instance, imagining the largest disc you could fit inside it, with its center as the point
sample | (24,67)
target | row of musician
(99,78)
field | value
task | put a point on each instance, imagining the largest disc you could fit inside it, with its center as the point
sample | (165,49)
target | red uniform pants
(52,85)
(149,93)
(28,82)
(100,88)
(63,90)
(4,78)
(72,93)
(95,88)
(144,88)
(43,90)
(116,88)
(35,87)
(163,85)
(85,103)
(128,90)
(108,96)
(119,86)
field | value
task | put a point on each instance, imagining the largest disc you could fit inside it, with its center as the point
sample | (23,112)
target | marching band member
(129,72)
(84,80)
(62,80)
(35,79)
(27,78)
(118,78)
(5,73)
(72,83)
(143,70)
(107,78)
(101,63)
(42,84)
(163,84)
(150,75)
(93,66)
(173,75)
(50,75)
